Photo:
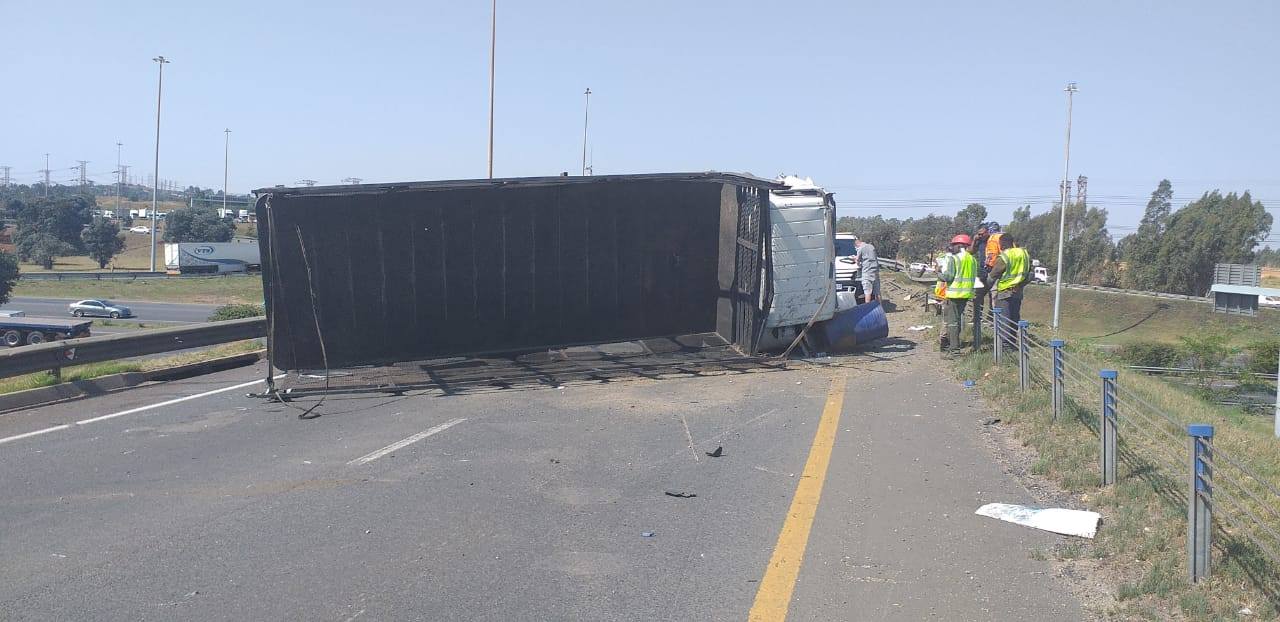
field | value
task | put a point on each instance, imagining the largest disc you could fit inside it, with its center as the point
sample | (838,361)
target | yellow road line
(774,595)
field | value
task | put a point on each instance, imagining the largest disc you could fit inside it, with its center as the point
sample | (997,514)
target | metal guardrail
(1134,292)
(119,276)
(53,356)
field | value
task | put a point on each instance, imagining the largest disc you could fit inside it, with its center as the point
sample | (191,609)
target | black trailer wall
(415,271)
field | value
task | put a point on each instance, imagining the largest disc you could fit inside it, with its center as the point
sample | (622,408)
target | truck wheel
(12,338)
(78,313)
(115,315)
(35,337)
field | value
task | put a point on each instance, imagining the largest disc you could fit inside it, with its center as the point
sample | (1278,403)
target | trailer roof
(503,182)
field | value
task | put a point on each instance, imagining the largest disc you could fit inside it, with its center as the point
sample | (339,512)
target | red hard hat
(962,238)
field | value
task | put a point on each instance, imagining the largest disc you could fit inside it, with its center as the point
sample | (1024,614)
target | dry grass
(203,290)
(1141,547)
(97,370)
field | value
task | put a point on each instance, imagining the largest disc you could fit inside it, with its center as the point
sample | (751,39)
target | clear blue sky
(922,105)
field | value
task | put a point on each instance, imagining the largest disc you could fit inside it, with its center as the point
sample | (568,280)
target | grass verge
(201,290)
(96,370)
(1141,548)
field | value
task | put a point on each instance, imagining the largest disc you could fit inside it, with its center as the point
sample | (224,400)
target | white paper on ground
(920,327)
(1058,520)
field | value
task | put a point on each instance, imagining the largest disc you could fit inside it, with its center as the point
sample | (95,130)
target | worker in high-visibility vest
(960,275)
(985,247)
(1009,275)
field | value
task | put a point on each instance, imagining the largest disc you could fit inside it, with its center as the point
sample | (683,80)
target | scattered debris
(920,327)
(717,453)
(991,421)
(969,384)
(681,495)
(646,534)
(1057,520)
(555,461)
(1245,612)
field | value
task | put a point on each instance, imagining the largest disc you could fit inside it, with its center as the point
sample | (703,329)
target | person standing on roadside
(960,276)
(868,269)
(1008,277)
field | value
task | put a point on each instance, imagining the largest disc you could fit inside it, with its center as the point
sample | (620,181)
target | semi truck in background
(211,257)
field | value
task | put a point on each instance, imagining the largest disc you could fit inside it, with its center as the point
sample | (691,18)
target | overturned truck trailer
(385,273)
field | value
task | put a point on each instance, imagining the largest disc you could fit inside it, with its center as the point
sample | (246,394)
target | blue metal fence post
(1058,380)
(1024,352)
(1107,426)
(997,329)
(1200,501)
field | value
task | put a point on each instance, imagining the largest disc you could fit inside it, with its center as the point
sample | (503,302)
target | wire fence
(1223,488)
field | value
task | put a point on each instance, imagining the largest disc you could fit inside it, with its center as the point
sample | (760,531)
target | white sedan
(140,229)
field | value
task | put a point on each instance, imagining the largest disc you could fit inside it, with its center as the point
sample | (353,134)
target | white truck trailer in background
(211,257)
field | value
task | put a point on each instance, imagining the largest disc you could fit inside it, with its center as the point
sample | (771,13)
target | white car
(140,229)
(919,266)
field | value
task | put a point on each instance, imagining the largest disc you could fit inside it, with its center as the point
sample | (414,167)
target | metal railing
(1219,488)
(53,356)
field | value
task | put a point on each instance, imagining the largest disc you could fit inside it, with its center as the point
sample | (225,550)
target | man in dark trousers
(1008,277)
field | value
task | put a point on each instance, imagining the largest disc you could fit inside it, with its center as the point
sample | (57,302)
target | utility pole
(6,170)
(82,164)
(307,182)
(586,116)
(226,166)
(155,222)
(124,173)
(119,179)
(46,175)
(1062,216)
(493,51)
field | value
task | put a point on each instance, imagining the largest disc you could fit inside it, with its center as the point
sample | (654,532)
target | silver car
(99,308)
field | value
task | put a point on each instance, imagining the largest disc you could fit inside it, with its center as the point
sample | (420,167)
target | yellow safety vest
(965,270)
(1017,266)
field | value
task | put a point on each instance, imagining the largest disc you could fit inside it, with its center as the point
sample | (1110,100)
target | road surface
(845,491)
(144,311)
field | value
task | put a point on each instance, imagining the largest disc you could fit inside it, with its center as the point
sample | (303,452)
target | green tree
(924,238)
(8,275)
(1088,255)
(1140,251)
(970,218)
(1214,229)
(196,224)
(60,219)
(884,234)
(103,241)
(43,249)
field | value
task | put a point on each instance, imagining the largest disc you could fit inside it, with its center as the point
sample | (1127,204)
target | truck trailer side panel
(414,271)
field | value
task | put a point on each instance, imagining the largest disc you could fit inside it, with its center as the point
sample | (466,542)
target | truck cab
(846,261)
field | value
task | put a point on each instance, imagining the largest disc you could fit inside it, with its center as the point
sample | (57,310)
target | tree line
(66,225)
(1172,251)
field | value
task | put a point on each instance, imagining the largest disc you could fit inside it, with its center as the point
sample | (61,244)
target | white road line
(367,458)
(173,401)
(36,433)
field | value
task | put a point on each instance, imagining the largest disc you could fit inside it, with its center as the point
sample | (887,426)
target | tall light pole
(46,175)
(226,166)
(155,184)
(586,116)
(493,50)
(119,179)
(1062,216)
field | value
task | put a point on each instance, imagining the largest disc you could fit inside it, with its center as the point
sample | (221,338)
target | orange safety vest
(993,250)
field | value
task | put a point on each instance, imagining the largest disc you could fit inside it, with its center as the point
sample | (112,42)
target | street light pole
(586,116)
(226,166)
(493,50)
(155,181)
(1062,216)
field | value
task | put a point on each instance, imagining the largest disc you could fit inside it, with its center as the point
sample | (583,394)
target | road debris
(920,327)
(991,421)
(969,384)
(719,451)
(646,534)
(1079,523)
(679,494)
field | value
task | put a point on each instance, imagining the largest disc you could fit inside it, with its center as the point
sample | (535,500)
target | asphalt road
(153,311)
(517,504)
